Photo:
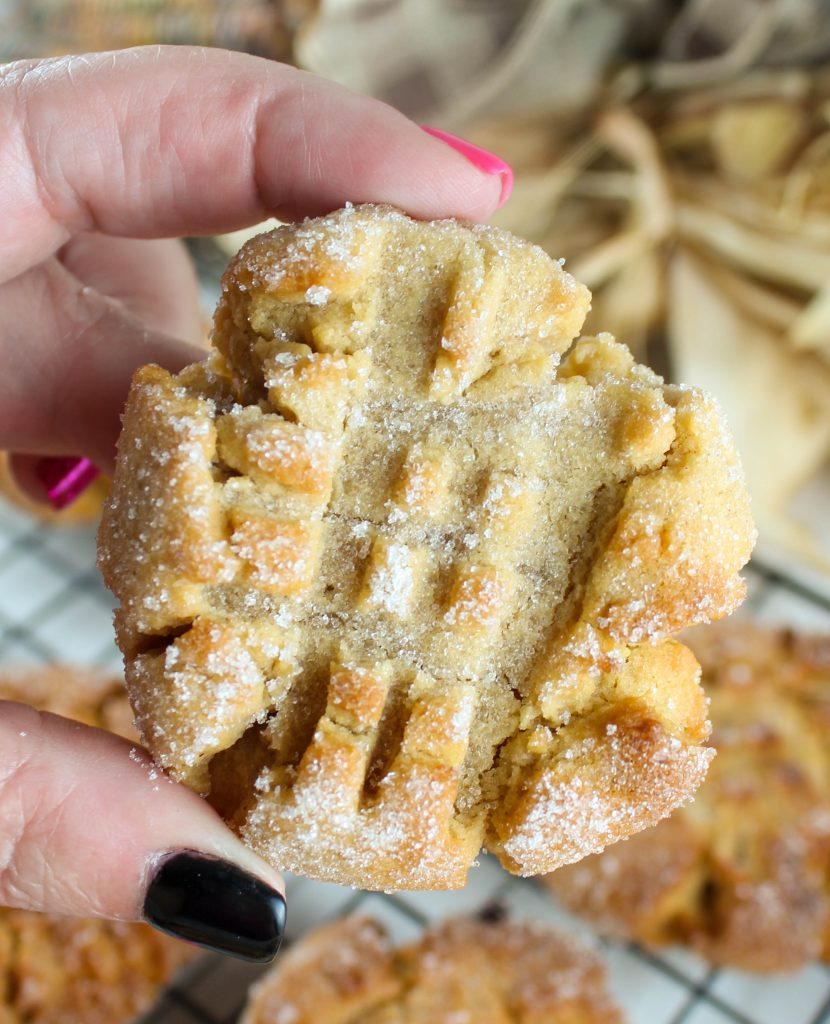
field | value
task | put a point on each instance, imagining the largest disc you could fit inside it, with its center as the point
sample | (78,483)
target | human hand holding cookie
(105,159)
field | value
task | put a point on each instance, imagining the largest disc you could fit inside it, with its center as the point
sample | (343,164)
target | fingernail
(65,478)
(217,905)
(481,158)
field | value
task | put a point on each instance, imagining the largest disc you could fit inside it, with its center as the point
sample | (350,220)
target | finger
(69,354)
(59,481)
(171,141)
(88,827)
(154,278)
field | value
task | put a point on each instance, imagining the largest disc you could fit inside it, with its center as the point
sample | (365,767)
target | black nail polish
(217,905)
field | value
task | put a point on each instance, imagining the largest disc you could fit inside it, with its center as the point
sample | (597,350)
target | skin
(105,160)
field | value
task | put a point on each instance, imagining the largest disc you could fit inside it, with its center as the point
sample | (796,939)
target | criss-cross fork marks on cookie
(395,583)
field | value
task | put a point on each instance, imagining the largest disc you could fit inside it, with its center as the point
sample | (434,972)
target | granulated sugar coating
(462,972)
(396,583)
(741,875)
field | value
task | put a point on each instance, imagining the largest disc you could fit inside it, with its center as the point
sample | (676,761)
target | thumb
(88,826)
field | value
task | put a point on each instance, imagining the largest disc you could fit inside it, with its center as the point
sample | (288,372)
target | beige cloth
(484,59)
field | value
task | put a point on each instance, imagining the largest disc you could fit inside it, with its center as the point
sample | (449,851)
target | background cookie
(394,583)
(81,971)
(89,695)
(463,970)
(69,970)
(741,873)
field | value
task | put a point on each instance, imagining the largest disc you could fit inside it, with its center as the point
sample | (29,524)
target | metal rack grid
(53,606)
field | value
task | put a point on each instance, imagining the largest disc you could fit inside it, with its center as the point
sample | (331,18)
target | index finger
(166,141)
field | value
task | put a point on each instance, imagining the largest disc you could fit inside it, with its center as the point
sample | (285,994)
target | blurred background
(677,156)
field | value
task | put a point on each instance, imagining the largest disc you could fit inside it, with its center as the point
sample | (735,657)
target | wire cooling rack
(53,606)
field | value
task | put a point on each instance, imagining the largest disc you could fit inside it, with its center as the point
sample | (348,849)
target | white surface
(774,1001)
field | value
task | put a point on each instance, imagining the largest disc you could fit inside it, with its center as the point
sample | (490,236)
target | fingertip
(320,145)
(65,478)
(60,483)
(215,904)
(121,840)
(482,159)
(23,481)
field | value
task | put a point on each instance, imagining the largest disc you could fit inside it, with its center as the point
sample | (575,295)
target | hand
(104,159)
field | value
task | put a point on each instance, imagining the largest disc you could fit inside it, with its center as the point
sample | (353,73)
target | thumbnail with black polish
(217,905)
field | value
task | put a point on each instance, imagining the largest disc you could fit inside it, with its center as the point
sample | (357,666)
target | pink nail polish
(481,158)
(65,478)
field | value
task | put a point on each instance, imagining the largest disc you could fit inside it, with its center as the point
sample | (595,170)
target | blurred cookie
(463,970)
(89,695)
(395,583)
(741,874)
(74,971)
(70,970)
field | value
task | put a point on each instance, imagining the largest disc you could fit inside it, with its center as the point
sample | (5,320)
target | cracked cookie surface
(741,874)
(464,970)
(396,581)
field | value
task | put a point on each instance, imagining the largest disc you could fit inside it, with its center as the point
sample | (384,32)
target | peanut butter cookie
(396,581)
(464,970)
